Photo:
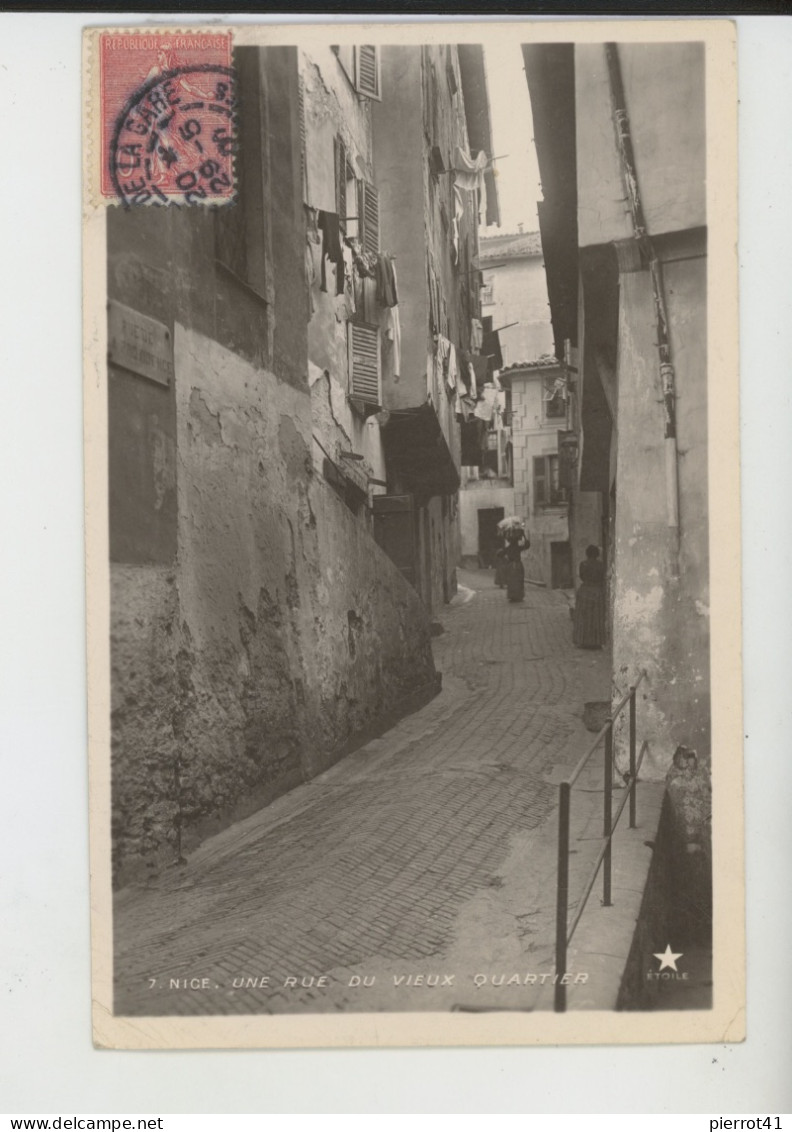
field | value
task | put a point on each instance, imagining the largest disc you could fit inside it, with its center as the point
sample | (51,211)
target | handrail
(587,890)
(564,932)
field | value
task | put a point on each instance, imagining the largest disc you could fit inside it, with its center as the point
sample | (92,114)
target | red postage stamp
(168,116)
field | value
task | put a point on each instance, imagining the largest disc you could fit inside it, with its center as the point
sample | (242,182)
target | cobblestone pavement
(424,859)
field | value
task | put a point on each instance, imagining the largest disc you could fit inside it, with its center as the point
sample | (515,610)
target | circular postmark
(175,139)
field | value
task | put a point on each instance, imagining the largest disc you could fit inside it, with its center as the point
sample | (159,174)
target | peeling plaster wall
(661,613)
(256,627)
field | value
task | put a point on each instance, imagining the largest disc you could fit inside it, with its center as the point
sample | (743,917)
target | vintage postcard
(413,533)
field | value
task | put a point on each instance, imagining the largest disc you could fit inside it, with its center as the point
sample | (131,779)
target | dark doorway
(561,566)
(488,537)
(394,531)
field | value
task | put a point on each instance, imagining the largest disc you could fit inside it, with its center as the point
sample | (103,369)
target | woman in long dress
(588,630)
(516,543)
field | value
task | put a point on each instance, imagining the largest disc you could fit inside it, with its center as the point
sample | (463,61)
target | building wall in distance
(519,293)
(479,495)
(533,435)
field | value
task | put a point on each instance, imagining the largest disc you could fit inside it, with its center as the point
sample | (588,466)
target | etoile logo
(667,969)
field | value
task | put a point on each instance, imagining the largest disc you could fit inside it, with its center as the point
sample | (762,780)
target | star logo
(668,958)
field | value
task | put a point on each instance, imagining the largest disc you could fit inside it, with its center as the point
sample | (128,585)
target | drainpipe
(649,258)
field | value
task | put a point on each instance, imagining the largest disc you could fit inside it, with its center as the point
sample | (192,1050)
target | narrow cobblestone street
(430,851)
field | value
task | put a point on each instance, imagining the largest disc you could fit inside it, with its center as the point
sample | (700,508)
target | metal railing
(564,929)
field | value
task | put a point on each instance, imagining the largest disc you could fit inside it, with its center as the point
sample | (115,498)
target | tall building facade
(264,619)
(621,142)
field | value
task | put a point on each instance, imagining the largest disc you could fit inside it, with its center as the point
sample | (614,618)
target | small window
(363,344)
(548,491)
(555,405)
(361,65)
(487,298)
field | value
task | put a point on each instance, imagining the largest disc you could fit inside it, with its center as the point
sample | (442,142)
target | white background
(47,1063)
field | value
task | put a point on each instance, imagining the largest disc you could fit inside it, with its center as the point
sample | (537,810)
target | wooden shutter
(301,114)
(340,181)
(369,213)
(364,363)
(367,72)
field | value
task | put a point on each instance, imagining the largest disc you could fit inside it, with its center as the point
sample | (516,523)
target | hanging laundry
(466,407)
(481,369)
(393,333)
(492,349)
(486,406)
(311,228)
(434,321)
(365,262)
(442,348)
(386,282)
(349,281)
(476,335)
(331,249)
(310,276)
(451,369)
(470,170)
(430,369)
(459,212)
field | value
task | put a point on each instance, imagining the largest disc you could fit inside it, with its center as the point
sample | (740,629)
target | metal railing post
(562,895)
(633,783)
(607,817)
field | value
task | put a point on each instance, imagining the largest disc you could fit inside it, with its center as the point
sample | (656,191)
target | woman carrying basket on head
(516,542)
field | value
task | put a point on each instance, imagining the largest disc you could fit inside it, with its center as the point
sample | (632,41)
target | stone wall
(279,633)
(257,631)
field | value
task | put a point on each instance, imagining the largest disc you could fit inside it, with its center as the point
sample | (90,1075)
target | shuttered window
(548,491)
(367,71)
(301,113)
(369,213)
(364,363)
(361,65)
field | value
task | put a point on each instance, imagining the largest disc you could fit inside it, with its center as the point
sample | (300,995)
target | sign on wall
(139,343)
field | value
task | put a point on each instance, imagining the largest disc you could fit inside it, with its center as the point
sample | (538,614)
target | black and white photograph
(413,552)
